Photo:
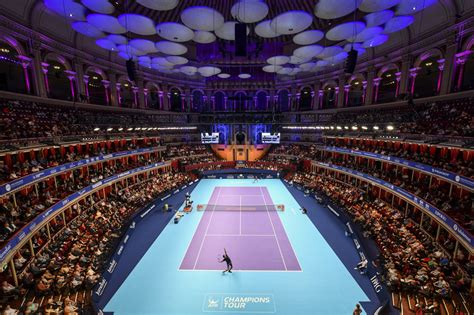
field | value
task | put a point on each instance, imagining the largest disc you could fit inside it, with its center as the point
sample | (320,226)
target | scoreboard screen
(270,137)
(207,138)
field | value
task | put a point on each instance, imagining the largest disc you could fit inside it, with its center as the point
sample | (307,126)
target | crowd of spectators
(16,213)
(459,165)
(410,258)
(75,257)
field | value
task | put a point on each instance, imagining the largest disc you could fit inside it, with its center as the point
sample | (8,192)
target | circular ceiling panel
(398,23)
(106,23)
(145,45)
(285,70)
(248,11)
(376,41)
(278,60)
(345,30)
(244,75)
(366,34)
(377,5)
(126,56)
(106,44)
(189,70)
(144,59)
(308,37)
(137,24)
(87,29)
(355,46)
(332,9)
(67,8)
(307,66)
(378,18)
(174,31)
(295,71)
(100,6)
(177,60)
(291,22)
(171,48)
(336,59)
(202,18)
(223,75)
(321,64)
(330,51)
(162,61)
(272,68)
(413,6)
(227,31)
(160,5)
(208,71)
(130,50)
(118,39)
(204,37)
(299,60)
(263,29)
(308,51)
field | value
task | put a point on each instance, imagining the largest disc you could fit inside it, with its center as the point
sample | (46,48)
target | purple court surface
(245,222)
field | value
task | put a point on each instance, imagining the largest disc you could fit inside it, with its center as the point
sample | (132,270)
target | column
(460,61)
(440,75)
(79,75)
(267,99)
(413,74)
(449,70)
(168,97)
(376,84)
(206,104)
(106,85)
(165,98)
(315,96)
(71,75)
(398,76)
(145,97)
(342,82)
(117,94)
(113,89)
(140,103)
(320,96)
(135,96)
(276,104)
(25,63)
(298,97)
(213,102)
(85,79)
(405,74)
(160,95)
(364,91)
(336,89)
(254,103)
(38,74)
(44,70)
(312,100)
(347,88)
(370,86)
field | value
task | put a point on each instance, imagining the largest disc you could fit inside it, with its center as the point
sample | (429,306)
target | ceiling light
(110,129)
(339,128)
(129,129)
(364,127)
(376,127)
(390,128)
(96,129)
(345,127)
(120,129)
(354,127)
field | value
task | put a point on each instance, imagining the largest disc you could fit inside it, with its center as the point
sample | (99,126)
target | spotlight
(376,127)
(390,128)
(354,128)
(96,129)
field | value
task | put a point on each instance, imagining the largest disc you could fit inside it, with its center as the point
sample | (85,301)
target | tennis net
(250,208)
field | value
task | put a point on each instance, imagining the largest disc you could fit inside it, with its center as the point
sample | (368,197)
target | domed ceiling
(197,38)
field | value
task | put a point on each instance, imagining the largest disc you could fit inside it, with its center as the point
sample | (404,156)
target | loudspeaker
(241,39)
(351,61)
(131,70)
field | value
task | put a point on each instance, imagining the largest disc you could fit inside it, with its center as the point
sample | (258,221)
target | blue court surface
(326,283)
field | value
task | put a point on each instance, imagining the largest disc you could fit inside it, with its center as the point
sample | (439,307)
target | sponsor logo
(112,266)
(239,303)
(101,287)
(5,251)
(376,284)
(146,212)
(21,236)
(8,187)
(133,225)
(176,191)
(457,178)
(99,183)
(125,240)
(120,250)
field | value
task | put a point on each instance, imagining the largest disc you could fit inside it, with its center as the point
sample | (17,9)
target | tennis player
(228,261)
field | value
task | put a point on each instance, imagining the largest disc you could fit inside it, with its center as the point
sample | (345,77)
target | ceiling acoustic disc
(291,22)
(208,71)
(345,30)
(223,75)
(204,37)
(248,11)
(378,18)
(308,37)
(308,52)
(376,41)
(174,32)
(377,5)
(87,29)
(144,45)
(398,23)
(202,18)
(137,24)
(366,34)
(99,6)
(106,44)
(272,68)
(171,48)
(333,9)
(264,29)
(227,31)
(159,5)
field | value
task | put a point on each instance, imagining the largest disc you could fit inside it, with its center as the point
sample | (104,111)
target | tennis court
(245,221)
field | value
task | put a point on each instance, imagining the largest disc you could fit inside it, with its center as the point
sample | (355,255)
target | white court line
(273,228)
(240,270)
(223,235)
(207,228)
(240,215)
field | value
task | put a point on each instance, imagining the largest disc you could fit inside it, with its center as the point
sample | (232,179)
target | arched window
(219,101)
(467,80)
(261,100)
(127,98)
(356,93)
(426,82)
(175,100)
(153,97)
(283,101)
(198,101)
(59,84)
(387,87)
(96,88)
(240,101)
(12,76)
(305,99)
(329,96)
